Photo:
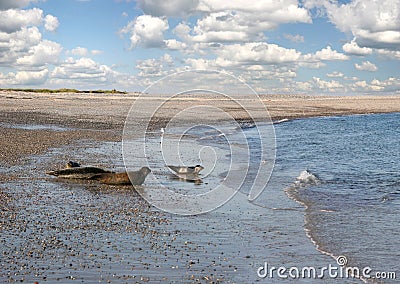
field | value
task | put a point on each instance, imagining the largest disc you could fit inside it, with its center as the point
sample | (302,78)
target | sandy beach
(66,231)
(102,116)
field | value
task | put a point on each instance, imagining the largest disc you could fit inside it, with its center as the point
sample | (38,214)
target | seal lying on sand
(74,171)
(134,178)
(186,170)
(78,172)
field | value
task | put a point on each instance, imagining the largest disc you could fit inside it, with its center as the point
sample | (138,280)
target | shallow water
(354,210)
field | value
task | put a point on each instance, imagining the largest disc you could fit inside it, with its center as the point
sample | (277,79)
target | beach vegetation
(65,90)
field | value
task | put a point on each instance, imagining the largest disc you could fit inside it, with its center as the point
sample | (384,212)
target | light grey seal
(186,170)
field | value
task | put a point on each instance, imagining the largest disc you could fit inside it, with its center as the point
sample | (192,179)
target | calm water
(345,171)
(353,198)
(354,208)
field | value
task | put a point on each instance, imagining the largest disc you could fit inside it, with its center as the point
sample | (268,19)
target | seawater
(353,200)
(344,170)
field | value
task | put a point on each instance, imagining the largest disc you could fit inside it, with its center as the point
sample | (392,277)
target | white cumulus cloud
(51,23)
(154,67)
(366,66)
(353,49)
(335,74)
(46,52)
(31,77)
(146,30)
(13,20)
(374,24)
(17,44)
(244,21)
(330,86)
(328,54)
(255,53)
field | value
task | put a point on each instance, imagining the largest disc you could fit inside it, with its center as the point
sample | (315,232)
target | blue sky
(287,46)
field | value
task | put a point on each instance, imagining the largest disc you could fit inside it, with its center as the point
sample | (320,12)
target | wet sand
(62,231)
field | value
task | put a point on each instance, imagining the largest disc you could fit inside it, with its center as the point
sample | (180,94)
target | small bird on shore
(186,170)
(72,164)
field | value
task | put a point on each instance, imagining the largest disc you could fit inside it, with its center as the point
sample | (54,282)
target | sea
(352,200)
(328,210)
(345,171)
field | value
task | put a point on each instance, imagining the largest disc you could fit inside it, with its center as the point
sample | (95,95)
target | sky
(275,46)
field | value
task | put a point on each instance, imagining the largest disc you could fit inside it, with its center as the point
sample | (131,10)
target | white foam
(307,178)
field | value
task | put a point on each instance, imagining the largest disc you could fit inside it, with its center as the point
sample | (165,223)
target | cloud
(201,63)
(374,24)
(46,52)
(366,66)
(226,27)
(83,52)
(327,54)
(12,4)
(85,73)
(13,20)
(391,54)
(219,21)
(24,78)
(335,74)
(172,8)
(316,60)
(82,69)
(283,11)
(96,52)
(353,48)
(31,77)
(294,38)
(154,67)
(17,44)
(244,21)
(330,86)
(258,53)
(146,31)
(173,44)
(80,51)
(182,30)
(51,23)
(21,43)
(390,85)
(317,85)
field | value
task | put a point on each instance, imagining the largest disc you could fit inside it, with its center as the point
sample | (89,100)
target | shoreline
(102,116)
(96,120)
